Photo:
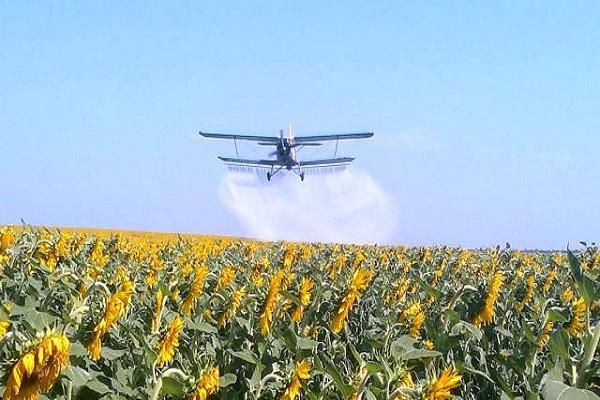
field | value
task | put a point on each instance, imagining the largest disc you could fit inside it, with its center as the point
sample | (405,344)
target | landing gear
(273,172)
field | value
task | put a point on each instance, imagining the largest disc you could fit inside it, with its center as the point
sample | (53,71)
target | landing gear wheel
(268,176)
(302,176)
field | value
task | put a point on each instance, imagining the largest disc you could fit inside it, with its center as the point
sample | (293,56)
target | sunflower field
(91,315)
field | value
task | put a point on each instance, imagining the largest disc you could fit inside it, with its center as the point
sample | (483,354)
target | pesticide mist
(344,206)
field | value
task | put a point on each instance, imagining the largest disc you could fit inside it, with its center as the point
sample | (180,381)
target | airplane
(287,147)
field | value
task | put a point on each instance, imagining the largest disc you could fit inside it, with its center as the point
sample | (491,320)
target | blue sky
(486,115)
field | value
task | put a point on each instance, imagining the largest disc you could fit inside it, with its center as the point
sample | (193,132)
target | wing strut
(337,142)
(235,144)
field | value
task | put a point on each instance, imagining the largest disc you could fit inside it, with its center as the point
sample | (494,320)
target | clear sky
(487,116)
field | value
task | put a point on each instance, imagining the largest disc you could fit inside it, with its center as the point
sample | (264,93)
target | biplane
(287,146)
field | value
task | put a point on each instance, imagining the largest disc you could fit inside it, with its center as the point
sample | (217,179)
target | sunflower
(225,278)
(236,301)
(415,314)
(115,308)
(439,388)
(360,281)
(577,323)
(266,315)
(288,257)
(158,310)
(38,368)
(407,380)
(152,278)
(567,296)
(304,295)
(549,280)
(257,270)
(4,325)
(486,314)
(207,385)
(7,238)
(302,372)
(196,290)
(336,266)
(97,256)
(169,342)
(529,288)
(545,334)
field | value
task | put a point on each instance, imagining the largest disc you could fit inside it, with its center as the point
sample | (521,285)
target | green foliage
(415,318)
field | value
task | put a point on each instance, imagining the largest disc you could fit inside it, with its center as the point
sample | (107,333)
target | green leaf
(77,375)
(528,333)
(430,290)
(245,355)
(556,316)
(111,354)
(554,390)
(586,286)
(373,367)
(462,327)
(500,381)
(289,337)
(588,290)
(331,370)
(559,344)
(97,386)
(173,387)
(78,350)
(504,332)
(227,380)
(403,350)
(202,327)
(305,343)
(355,354)
(574,265)
(256,376)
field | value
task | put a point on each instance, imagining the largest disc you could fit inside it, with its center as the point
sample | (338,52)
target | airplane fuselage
(286,153)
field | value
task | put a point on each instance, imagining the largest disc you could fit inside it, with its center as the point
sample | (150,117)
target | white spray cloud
(346,206)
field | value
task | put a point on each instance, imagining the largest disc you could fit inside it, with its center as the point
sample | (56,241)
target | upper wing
(333,136)
(255,138)
(327,162)
(251,163)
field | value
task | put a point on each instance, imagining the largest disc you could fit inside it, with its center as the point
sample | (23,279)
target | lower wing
(326,162)
(249,163)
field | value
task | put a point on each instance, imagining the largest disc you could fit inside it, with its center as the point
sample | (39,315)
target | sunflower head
(38,367)
(169,342)
(440,387)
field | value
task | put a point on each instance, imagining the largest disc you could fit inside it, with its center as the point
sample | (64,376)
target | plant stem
(171,372)
(69,390)
(590,350)
(156,390)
